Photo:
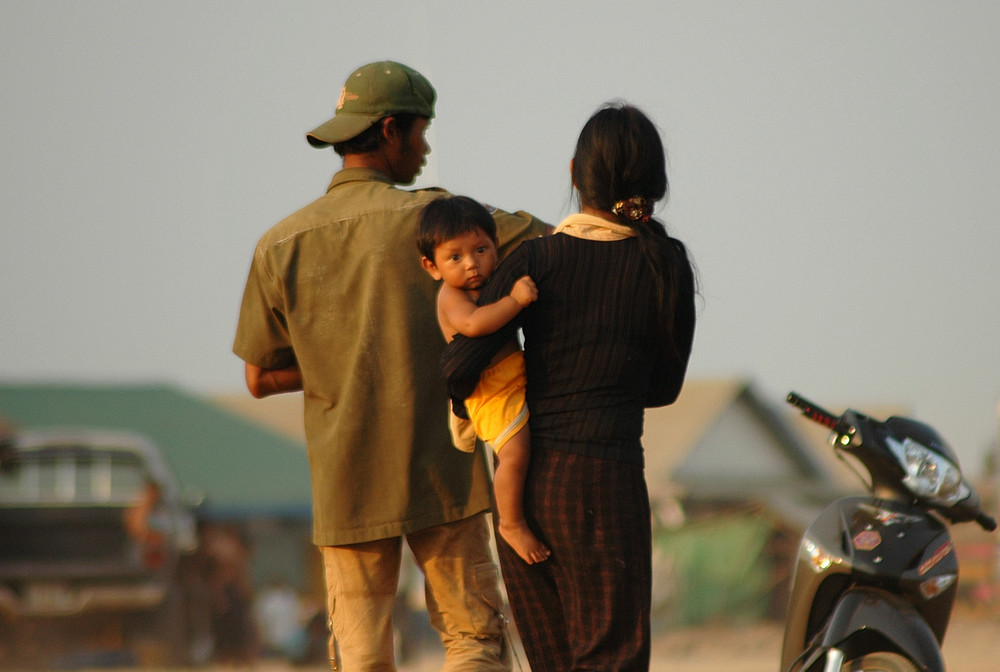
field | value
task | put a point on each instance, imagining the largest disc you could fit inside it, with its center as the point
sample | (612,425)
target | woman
(609,335)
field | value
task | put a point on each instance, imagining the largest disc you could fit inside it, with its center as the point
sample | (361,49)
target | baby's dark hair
(450,217)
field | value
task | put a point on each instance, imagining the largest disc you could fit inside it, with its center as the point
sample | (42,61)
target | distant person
(609,335)
(8,454)
(336,306)
(136,518)
(278,612)
(227,575)
(458,244)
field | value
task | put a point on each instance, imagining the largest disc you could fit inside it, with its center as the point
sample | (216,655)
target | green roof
(242,469)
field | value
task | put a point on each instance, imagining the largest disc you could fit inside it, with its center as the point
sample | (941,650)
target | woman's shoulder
(528,248)
(543,244)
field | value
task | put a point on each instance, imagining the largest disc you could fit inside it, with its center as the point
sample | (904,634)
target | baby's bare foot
(523,540)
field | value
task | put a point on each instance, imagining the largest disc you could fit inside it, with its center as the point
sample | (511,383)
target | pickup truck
(93,531)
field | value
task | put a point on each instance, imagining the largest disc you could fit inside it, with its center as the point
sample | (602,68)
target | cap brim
(342,127)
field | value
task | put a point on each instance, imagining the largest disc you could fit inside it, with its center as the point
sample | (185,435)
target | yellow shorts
(497,405)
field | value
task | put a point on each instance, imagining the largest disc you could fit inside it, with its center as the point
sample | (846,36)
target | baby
(458,244)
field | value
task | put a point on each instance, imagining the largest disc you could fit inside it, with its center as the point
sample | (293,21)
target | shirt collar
(358,175)
(594,228)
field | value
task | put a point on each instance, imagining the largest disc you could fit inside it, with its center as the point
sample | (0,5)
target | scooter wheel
(880,661)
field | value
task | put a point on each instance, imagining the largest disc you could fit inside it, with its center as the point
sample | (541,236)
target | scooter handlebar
(967,511)
(986,521)
(812,411)
(827,419)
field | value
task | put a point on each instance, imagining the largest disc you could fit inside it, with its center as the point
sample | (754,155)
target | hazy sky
(834,171)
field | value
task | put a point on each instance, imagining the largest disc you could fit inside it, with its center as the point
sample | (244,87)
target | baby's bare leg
(508,485)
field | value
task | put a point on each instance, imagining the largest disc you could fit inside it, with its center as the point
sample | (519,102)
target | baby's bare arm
(468,319)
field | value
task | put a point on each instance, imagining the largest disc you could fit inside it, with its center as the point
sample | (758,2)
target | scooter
(876,576)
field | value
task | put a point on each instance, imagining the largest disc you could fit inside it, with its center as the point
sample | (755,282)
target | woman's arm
(672,362)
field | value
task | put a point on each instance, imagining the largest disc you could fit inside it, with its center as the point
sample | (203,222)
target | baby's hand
(524,291)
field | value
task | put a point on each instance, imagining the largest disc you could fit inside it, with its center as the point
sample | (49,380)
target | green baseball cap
(372,92)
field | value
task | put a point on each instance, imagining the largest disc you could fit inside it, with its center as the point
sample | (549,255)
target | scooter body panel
(866,620)
(864,544)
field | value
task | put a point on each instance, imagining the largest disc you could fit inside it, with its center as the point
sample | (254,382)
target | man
(337,305)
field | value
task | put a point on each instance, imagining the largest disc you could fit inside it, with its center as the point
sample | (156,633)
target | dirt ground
(972,645)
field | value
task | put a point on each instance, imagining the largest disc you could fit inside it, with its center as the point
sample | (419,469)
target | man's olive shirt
(337,287)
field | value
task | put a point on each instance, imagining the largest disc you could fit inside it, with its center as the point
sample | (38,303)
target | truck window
(56,478)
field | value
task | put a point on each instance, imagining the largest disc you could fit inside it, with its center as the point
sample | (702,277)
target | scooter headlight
(928,474)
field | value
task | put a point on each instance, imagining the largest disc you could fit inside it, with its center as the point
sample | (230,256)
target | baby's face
(466,260)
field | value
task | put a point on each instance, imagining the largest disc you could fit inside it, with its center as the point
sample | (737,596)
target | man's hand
(265,382)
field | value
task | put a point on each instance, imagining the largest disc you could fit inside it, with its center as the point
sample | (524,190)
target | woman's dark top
(596,354)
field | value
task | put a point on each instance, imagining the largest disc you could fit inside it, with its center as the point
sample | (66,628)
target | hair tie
(636,208)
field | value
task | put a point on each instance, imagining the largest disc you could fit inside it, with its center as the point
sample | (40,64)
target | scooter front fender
(867,620)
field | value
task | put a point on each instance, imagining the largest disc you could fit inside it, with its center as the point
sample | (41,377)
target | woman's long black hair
(619,156)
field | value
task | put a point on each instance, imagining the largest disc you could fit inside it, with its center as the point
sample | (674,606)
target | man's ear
(390,129)
(430,267)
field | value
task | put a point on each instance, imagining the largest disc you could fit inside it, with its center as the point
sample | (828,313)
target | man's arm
(265,382)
